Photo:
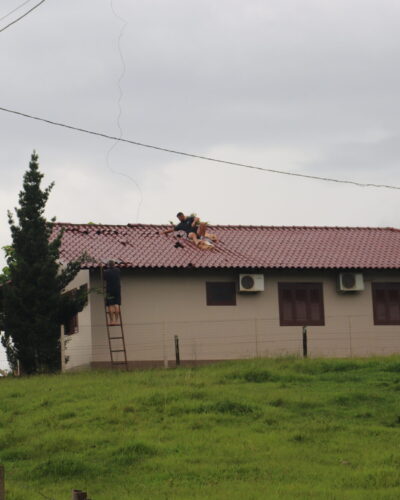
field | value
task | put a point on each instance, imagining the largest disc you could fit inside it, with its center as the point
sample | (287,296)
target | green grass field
(259,429)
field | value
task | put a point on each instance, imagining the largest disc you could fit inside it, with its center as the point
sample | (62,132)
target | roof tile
(268,247)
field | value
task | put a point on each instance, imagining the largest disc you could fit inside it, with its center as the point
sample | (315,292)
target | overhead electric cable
(199,157)
(23,15)
(15,10)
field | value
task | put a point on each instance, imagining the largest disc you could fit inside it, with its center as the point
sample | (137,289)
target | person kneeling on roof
(194,229)
(112,277)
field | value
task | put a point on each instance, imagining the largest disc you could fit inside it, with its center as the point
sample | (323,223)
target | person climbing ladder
(112,278)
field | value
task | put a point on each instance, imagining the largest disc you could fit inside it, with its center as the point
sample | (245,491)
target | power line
(14,10)
(23,15)
(199,157)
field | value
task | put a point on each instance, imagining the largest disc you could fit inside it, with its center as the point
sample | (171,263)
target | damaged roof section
(255,247)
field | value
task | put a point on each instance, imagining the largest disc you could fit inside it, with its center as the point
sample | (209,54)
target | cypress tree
(33,302)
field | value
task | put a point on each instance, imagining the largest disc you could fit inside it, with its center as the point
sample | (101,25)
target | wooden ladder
(113,337)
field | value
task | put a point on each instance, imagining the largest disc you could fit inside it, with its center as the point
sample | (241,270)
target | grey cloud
(373,160)
(230,77)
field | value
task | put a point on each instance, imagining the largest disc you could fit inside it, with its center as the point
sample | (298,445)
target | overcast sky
(309,86)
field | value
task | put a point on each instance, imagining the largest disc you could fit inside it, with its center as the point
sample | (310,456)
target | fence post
(177,355)
(256,335)
(350,339)
(2,484)
(79,495)
(165,355)
(305,347)
(62,348)
(194,352)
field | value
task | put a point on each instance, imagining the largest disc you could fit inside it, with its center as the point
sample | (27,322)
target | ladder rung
(116,338)
(119,362)
(116,324)
(117,350)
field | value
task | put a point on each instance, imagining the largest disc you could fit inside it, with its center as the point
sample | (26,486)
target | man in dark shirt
(192,226)
(187,223)
(112,278)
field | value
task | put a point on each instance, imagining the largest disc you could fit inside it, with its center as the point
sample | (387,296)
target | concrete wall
(156,305)
(79,345)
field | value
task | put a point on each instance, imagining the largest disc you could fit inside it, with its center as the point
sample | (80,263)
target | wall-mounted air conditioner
(350,282)
(251,282)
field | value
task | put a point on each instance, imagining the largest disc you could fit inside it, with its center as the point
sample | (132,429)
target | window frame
(71,327)
(308,287)
(210,302)
(385,286)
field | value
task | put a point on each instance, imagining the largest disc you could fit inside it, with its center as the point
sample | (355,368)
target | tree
(33,301)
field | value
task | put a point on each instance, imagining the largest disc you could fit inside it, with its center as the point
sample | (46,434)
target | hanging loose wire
(120,96)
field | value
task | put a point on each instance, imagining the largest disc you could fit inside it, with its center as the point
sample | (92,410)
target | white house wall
(79,345)
(157,305)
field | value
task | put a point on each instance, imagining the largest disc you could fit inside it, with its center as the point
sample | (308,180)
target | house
(249,296)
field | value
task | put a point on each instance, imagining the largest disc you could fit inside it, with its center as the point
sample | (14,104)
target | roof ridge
(233,226)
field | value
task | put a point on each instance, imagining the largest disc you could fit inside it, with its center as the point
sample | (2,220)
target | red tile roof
(267,247)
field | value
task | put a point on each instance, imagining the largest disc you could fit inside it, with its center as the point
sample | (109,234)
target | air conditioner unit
(251,282)
(350,282)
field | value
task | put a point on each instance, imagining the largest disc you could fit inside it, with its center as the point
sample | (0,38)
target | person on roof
(112,278)
(193,227)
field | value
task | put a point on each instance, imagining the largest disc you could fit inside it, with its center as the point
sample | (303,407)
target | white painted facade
(159,304)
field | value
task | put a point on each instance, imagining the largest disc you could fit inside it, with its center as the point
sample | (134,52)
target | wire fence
(219,339)
(203,340)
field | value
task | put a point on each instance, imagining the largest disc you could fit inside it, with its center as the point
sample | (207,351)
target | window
(221,293)
(301,304)
(71,325)
(386,303)
(70,319)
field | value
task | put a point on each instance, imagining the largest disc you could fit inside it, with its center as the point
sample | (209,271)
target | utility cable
(14,10)
(23,15)
(200,157)
(120,96)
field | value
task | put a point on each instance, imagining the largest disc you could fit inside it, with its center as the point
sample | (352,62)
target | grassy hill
(258,429)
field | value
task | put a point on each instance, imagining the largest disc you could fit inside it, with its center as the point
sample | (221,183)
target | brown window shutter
(386,303)
(301,301)
(379,297)
(287,304)
(301,304)
(316,305)
(393,305)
